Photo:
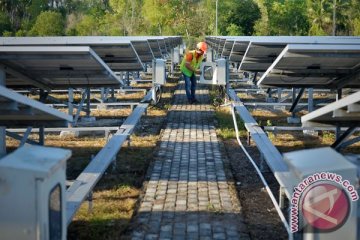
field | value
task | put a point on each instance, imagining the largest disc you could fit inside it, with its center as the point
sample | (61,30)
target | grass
(224,122)
(116,194)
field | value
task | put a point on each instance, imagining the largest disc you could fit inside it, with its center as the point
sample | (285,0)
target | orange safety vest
(195,63)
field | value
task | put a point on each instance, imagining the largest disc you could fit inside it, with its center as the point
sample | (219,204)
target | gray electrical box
(326,160)
(214,73)
(32,194)
(175,58)
(159,71)
(209,55)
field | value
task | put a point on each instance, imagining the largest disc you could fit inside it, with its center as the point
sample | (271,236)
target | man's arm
(188,63)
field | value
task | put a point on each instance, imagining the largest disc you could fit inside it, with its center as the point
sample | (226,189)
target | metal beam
(2,128)
(296,100)
(343,137)
(272,156)
(87,180)
(20,138)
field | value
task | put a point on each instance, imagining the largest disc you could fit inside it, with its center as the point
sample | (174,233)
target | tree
(234,30)
(157,14)
(242,15)
(261,26)
(87,26)
(125,15)
(289,18)
(354,18)
(320,16)
(48,23)
(5,25)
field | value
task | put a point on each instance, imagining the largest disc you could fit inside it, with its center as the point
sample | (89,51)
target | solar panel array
(20,111)
(67,62)
(257,54)
(316,66)
(55,67)
(302,62)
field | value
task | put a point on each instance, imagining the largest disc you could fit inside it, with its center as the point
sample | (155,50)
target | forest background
(188,18)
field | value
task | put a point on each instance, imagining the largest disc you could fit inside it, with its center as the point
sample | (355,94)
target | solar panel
(262,51)
(163,48)
(143,50)
(344,112)
(221,45)
(227,48)
(117,52)
(18,110)
(55,67)
(155,47)
(317,66)
(238,51)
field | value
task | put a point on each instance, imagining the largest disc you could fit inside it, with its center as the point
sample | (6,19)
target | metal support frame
(254,77)
(128,79)
(310,99)
(271,155)
(343,137)
(279,92)
(112,92)
(76,118)
(2,128)
(23,139)
(102,95)
(316,103)
(348,143)
(70,101)
(87,180)
(88,95)
(296,100)
(43,96)
(25,136)
(268,152)
(338,130)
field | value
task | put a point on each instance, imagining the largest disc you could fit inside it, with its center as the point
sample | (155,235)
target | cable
(271,195)
(159,94)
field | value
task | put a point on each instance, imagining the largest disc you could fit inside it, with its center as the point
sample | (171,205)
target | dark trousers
(190,86)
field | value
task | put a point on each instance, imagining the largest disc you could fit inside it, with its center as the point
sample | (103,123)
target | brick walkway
(188,195)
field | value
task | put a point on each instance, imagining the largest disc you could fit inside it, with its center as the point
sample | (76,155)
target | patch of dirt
(261,218)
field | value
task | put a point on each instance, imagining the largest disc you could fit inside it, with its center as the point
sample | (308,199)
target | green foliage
(234,30)
(190,18)
(288,18)
(87,26)
(7,34)
(261,26)
(243,14)
(316,30)
(356,27)
(5,25)
(21,33)
(48,23)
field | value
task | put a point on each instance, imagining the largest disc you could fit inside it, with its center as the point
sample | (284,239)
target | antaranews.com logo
(323,199)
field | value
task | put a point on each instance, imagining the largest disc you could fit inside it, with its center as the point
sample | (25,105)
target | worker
(189,67)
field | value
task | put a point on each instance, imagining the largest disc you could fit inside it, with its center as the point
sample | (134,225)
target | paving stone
(219,236)
(151,236)
(188,181)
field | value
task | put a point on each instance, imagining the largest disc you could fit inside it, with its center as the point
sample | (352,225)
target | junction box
(214,73)
(159,71)
(33,193)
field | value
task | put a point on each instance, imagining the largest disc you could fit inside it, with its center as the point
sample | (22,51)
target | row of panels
(295,61)
(48,63)
(62,62)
